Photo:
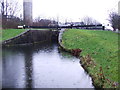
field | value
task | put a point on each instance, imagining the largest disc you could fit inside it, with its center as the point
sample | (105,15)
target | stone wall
(32,37)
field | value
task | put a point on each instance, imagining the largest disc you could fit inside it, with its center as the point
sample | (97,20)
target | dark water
(42,66)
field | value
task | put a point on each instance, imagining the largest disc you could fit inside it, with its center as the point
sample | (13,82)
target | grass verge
(10,33)
(99,54)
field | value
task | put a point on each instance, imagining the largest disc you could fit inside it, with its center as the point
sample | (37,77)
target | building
(27,12)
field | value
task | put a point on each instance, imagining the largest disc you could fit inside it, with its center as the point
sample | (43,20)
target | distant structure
(27,12)
(0,23)
(119,7)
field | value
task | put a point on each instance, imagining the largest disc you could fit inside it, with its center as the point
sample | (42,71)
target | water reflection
(42,66)
(13,69)
(28,68)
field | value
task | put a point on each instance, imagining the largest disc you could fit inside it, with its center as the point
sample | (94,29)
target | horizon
(73,10)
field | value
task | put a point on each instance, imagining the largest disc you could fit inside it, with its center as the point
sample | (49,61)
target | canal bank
(96,54)
(32,37)
(25,64)
(100,78)
(82,61)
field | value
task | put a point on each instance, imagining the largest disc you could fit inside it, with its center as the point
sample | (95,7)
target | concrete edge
(60,41)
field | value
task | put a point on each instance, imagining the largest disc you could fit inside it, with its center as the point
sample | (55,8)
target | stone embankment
(31,37)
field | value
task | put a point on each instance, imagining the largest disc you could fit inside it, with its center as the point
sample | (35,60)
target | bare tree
(37,19)
(44,22)
(9,10)
(114,19)
(9,7)
(41,22)
(89,21)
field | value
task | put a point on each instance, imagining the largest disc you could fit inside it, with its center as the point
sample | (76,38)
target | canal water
(42,66)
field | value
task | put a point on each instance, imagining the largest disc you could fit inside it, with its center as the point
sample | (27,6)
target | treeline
(14,22)
(11,22)
(114,19)
(9,12)
(44,22)
(12,18)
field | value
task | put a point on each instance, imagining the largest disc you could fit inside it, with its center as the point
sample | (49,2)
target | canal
(42,66)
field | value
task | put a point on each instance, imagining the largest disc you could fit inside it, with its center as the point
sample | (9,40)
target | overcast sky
(74,10)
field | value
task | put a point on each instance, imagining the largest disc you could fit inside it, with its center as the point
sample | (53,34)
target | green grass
(10,33)
(102,46)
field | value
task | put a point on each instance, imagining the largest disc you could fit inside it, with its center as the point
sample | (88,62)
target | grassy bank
(10,33)
(99,54)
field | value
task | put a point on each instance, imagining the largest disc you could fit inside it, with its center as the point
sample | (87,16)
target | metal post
(103,27)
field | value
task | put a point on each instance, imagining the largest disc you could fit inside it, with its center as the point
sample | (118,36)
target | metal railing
(100,26)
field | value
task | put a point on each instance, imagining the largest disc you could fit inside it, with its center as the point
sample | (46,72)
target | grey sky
(74,10)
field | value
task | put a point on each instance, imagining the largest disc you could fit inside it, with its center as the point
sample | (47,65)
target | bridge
(99,26)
